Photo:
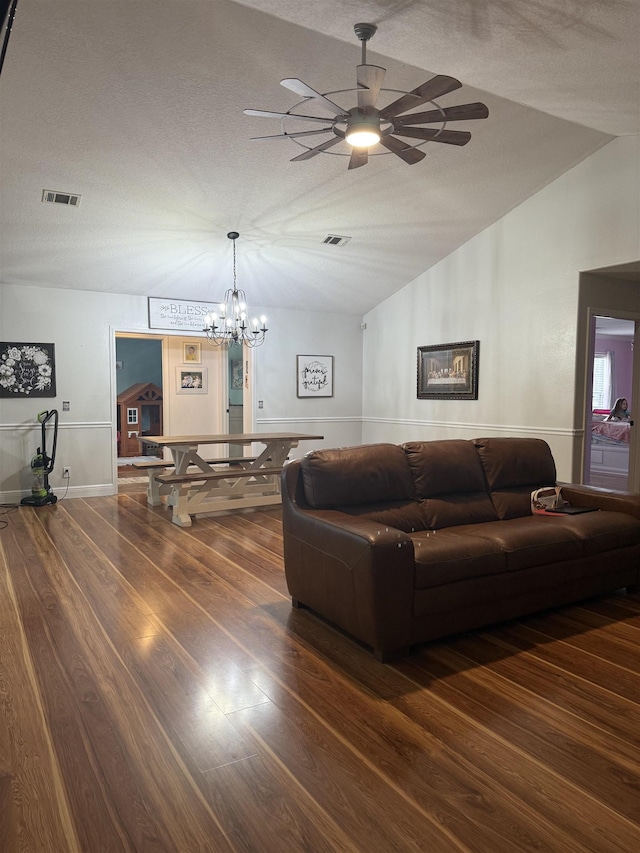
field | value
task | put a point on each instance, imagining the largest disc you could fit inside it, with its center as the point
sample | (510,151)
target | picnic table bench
(157,489)
(197,485)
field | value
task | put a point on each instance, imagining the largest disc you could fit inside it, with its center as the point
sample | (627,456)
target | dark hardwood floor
(158,693)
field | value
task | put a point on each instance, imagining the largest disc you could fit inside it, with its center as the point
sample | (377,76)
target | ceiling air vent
(336,240)
(55,197)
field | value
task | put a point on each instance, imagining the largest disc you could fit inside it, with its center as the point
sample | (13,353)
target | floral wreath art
(27,370)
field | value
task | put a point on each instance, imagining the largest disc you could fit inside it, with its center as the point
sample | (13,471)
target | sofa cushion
(603,531)
(513,468)
(445,557)
(403,515)
(352,476)
(508,594)
(534,540)
(450,481)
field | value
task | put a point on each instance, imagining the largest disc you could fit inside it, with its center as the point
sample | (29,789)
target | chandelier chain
(230,326)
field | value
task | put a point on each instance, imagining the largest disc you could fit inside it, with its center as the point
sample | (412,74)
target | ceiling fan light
(363,135)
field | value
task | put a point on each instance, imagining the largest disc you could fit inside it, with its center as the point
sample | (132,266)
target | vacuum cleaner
(42,464)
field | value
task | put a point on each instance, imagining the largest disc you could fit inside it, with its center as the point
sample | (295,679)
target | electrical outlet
(66,473)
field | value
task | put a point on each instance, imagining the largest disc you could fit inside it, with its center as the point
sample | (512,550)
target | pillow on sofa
(450,482)
(352,476)
(513,468)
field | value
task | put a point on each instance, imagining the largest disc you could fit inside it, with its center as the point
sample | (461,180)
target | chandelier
(229,324)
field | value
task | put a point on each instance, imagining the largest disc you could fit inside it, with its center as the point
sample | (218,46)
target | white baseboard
(97,491)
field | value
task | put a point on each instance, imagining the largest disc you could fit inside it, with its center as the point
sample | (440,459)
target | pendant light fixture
(229,323)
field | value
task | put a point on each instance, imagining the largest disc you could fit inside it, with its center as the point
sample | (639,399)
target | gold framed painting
(448,371)
(191,352)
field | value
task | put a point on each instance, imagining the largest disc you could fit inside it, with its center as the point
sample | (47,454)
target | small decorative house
(139,413)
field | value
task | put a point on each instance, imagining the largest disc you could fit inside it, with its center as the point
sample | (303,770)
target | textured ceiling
(137,106)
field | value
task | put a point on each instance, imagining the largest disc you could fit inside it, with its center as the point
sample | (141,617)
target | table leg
(180,501)
(153,488)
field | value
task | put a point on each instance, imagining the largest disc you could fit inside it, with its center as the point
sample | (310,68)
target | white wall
(78,324)
(337,418)
(82,326)
(515,288)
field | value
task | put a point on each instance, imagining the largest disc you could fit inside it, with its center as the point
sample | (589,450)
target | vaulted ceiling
(136,105)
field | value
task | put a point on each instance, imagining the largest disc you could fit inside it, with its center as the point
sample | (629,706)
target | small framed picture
(191,352)
(448,371)
(315,375)
(191,380)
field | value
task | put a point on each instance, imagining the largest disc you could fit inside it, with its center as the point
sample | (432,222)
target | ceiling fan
(364,127)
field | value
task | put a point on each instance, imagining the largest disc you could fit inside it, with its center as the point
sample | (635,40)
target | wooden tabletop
(227,438)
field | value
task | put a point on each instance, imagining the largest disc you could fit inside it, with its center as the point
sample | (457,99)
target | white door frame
(220,380)
(634,442)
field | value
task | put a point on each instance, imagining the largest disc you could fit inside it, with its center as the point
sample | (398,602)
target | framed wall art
(191,380)
(314,375)
(27,370)
(448,371)
(178,315)
(192,352)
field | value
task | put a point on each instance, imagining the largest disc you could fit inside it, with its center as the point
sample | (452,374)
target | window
(602,381)
(132,416)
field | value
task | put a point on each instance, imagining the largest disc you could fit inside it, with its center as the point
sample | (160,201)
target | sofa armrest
(352,571)
(349,537)
(593,496)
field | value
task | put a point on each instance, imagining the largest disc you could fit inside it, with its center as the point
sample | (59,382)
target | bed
(609,452)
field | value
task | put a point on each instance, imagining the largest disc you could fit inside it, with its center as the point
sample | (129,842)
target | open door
(235,391)
(611,453)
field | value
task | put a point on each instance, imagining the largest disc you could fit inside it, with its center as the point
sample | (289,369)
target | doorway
(139,390)
(610,445)
(221,403)
(235,382)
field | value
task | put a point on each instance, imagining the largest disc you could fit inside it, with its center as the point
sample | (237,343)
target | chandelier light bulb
(233,311)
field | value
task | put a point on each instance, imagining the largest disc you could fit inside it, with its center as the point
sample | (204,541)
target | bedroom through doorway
(607,459)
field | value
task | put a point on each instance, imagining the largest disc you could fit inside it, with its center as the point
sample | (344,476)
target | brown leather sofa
(400,544)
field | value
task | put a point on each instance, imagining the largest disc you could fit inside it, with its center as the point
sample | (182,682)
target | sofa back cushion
(450,482)
(403,515)
(357,476)
(513,468)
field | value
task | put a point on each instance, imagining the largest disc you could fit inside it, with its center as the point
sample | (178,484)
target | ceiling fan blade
(311,152)
(451,137)
(462,112)
(359,157)
(405,152)
(305,91)
(268,114)
(370,79)
(434,88)
(293,135)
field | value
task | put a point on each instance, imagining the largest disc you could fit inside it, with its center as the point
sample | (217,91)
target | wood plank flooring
(159,693)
